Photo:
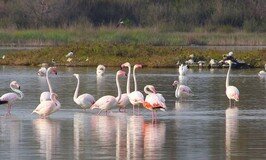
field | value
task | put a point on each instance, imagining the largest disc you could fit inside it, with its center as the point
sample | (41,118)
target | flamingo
(107,102)
(231,91)
(262,73)
(11,98)
(85,100)
(45,108)
(135,97)
(46,95)
(100,70)
(183,69)
(42,71)
(153,101)
(124,99)
(182,90)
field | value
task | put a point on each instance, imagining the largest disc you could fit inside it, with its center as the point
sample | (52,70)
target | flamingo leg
(8,110)
(99,112)
(133,110)
(230,105)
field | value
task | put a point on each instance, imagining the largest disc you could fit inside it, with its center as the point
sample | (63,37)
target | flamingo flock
(153,101)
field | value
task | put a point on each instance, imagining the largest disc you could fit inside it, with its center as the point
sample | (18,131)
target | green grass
(141,36)
(114,54)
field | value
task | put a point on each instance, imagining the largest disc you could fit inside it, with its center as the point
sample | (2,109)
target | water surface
(201,127)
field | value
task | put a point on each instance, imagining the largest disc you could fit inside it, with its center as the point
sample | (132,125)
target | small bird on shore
(71,53)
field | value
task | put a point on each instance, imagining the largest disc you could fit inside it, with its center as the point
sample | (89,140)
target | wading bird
(85,100)
(46,95)
(108,102)
(232,92)
(10,98)
(182,90)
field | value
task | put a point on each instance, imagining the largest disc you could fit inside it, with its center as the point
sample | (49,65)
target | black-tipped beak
(126,74)
(19,87)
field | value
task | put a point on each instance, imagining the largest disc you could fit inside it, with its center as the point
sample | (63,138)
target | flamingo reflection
(81,130)
(154,139)
(121,137)
(135,137)
(10,130)
(48,134)
(231,131)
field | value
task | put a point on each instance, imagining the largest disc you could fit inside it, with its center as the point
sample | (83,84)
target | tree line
(167,15)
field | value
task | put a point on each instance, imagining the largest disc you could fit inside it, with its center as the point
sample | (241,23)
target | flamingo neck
(18,91)
(118,89)
(76,91)
(128,79)
(146,90)
(55,100)
(227,76)
(135,80)
(47,79)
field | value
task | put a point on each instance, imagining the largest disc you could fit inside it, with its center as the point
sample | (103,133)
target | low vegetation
(114,54)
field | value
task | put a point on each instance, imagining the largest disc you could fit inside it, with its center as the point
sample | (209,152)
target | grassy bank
(141,36)
(114,54)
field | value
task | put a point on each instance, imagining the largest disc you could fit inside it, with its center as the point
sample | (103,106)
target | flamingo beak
(19,87)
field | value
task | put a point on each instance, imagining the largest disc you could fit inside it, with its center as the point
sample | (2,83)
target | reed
(141,36)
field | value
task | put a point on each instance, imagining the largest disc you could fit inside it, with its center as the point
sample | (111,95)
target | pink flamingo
(182,90)
(231,91)
(45,108)
(42,71)
(85,100)
(107,102)
(46,95)
(153,101)
(135,97)
(11,98)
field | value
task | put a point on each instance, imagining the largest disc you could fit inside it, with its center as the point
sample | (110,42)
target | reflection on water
(154,139)
(192,129)
(48,135)
(231,132)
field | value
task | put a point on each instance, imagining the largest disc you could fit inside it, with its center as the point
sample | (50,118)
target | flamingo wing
(9,97)
(104,102)
(45,96)
(136,97)
(86,100)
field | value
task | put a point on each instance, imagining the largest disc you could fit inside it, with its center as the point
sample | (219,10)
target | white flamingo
(153,101)
(45,108)
(11,98)
(135,97)
(100,70)
(231,91)
(262,73)
(108,102)
(46,95)
(182,90)
(85,100)
(183,69)
(42,71)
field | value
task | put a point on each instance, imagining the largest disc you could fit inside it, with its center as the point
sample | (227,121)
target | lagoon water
(201,127)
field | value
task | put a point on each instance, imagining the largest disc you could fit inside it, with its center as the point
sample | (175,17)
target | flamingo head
(175,83)
(14,84)
(137,66)
(53,70)
(127,64)
(236,97)
(152,88)
(121,73)
(76,75)
(54,96)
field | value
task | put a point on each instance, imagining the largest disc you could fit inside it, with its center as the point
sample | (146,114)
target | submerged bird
(45,108)
(182,90)
(11,98)
(231,91)
(46,95)
(108,102)
(153,101)
(85,100)
(100,70)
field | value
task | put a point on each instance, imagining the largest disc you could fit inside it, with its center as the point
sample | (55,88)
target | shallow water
(201,127)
